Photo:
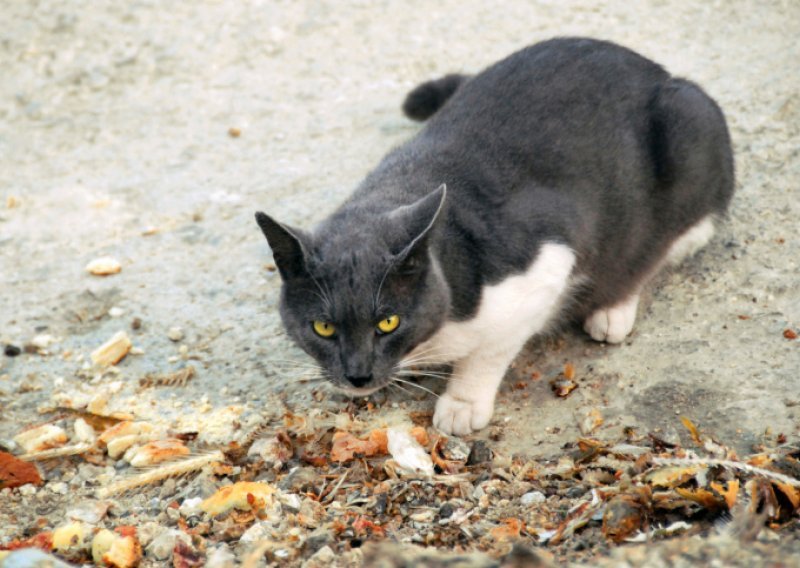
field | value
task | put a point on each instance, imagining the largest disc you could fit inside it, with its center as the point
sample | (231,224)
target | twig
(172,469)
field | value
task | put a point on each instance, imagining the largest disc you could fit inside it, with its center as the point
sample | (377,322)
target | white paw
(613,325)
(461,417)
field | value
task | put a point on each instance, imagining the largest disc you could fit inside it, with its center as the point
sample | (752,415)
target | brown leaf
(672,476)
(569,371)
(692,430)
(510,529)
(702,497)
(43,541)
(791,493)
(346,446)
(623,516)
(15,472)
(730,494)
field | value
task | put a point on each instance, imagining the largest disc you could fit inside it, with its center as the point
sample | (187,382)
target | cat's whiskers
(423,374)
(397,379)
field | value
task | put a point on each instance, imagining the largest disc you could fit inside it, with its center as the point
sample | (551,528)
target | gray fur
(571,140)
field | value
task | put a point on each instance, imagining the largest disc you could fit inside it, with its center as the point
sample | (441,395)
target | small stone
(456,449)
(318,539)
(256,533)
(162,545)
(116,312)
(191,507)
(90,512)
(299,480)
(27,489)
(290,501)
(533,498)
(480,453)
(12,350)
(321,558)
(446,511)
(43,341)
(33,558)
(59,488)
(221,557)
(175,334)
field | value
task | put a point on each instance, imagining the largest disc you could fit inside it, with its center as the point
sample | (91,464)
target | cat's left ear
(418,220)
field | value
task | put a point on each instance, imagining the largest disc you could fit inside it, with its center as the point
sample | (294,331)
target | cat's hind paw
(461,417)
(613,324)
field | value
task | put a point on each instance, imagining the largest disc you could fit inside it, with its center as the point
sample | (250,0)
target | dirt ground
(151,134)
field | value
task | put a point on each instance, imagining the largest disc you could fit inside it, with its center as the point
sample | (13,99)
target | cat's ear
(417,221)
(287,248)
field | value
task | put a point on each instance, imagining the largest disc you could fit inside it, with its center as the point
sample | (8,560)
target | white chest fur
(482,348)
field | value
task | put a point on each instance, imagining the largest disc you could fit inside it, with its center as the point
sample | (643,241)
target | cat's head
(363,290)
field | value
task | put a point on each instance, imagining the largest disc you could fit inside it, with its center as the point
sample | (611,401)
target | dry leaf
(346,446)
(41,438)
(623,516)
(156,452)
(672,476)
(510,529)
(702,497)
(730,494)
(244,495)
(791,493)
(692,430)
(16,472)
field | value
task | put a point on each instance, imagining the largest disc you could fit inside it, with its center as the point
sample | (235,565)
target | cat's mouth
(360,391)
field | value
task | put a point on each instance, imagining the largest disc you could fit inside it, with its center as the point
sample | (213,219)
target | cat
(548,188)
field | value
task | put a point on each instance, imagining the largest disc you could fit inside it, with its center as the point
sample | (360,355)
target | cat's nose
(359,381)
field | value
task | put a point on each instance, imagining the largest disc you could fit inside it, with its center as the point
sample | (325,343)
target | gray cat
(550,187)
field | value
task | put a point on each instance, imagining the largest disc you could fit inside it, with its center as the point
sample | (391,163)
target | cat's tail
(425,99)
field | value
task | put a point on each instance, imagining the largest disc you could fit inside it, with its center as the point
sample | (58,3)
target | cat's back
(580,74)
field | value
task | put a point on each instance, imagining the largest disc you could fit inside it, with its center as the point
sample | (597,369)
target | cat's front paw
(461,417)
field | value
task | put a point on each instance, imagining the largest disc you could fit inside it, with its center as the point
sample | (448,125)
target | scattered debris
(104,266)
(15,472)
(112,351)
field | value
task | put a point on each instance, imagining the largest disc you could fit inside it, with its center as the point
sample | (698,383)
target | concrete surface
(115,118)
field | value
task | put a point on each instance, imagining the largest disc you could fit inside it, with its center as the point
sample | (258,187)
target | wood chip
(112,351)
(104,266)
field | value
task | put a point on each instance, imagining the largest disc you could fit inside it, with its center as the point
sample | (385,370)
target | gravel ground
(152,135)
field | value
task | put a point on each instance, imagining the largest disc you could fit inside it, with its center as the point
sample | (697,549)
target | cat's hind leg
(613,324)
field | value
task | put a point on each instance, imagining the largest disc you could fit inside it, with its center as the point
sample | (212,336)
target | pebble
(319,539)
(32,558)
(191,506)
(43,341)
(321,558)
(480,453)
(58,487)
(533,498)
(11,350)
(456,449)
(162,545)
(27,489)
(175,334)
(116,312)
(221,557)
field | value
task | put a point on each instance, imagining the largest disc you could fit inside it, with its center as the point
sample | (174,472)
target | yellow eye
(324,329)
(389,324)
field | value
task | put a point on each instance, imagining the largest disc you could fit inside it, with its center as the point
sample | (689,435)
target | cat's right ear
(287,248)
